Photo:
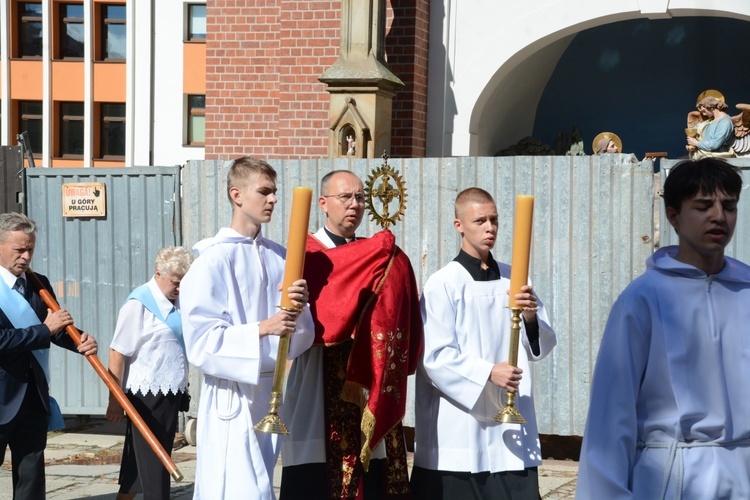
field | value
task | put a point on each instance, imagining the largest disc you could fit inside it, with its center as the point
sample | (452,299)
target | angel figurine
(713,132)
(741,123)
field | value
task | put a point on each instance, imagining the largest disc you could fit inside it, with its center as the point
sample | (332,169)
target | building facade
(496,72)
(263,61)
(100,83)
(493,69)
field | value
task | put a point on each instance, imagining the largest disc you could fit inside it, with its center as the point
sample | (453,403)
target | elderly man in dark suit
(27,328)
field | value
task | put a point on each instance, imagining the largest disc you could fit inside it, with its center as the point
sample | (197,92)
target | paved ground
(83,462)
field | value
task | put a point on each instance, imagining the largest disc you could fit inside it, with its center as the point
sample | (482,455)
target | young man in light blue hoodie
(669,401)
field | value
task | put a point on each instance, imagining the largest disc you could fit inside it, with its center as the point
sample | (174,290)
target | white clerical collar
(337,239)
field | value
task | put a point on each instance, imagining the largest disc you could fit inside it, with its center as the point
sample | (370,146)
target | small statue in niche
(351,148)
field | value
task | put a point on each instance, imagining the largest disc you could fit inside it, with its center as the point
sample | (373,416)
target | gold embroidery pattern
(397,476)
(395,361)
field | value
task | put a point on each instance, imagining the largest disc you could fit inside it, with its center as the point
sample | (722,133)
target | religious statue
(351,145)
(606,142)
(712,132)
(742,131)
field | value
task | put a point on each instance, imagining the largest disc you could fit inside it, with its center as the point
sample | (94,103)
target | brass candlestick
(510,414)
(293,267)
(272,423)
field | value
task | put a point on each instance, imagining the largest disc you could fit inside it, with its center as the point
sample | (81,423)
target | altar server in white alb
(670,404)
(460,452)
(231,326)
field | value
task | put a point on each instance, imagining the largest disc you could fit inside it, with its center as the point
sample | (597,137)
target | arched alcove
(492,81)
(641,78)
(349,132)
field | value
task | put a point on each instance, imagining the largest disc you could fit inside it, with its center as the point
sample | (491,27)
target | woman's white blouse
(155,360)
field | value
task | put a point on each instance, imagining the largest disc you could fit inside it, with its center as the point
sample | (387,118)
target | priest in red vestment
(346,396)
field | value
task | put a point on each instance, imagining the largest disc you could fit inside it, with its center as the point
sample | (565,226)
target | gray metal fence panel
(593,230)
(94,263)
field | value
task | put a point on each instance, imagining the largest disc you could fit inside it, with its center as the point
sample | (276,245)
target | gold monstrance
(378,186)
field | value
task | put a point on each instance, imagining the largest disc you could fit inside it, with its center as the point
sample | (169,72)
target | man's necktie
(20,287)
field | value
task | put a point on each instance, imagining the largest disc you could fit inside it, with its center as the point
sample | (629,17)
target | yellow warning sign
(84,199)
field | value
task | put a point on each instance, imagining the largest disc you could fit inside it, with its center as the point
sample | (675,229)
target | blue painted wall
(640,78)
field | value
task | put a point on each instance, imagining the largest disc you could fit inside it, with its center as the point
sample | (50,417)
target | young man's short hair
(705,176)
(244,168)
(472,195)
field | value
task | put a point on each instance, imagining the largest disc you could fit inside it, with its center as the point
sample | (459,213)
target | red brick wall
(309,45)
(407,46)
(263,60)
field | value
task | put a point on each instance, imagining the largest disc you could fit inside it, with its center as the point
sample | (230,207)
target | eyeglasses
(346,199)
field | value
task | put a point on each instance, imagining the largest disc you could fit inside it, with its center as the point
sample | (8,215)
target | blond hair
(472,195)
(243,169)
(173,261)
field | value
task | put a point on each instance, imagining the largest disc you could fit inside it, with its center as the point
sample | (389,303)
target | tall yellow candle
(519,274)
(295,247)
(295,262)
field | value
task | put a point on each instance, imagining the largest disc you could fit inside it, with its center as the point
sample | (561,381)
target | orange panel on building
(108,163)
(60,163)
(67,81)
(194,68)
(26,80)
(109,82)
